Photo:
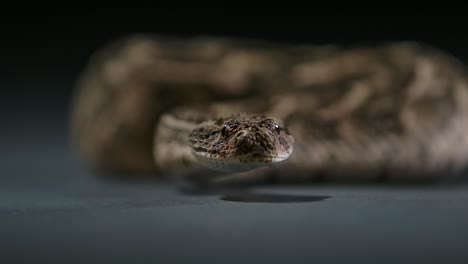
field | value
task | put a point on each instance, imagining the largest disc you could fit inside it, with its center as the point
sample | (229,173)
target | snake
(256,110)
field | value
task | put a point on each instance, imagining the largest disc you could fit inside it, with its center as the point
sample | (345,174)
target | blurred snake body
(148,105)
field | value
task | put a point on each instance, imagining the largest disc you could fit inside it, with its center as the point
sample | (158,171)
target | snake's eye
(277,128)
(223,130)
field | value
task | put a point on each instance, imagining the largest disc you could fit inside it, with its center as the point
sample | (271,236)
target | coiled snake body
(156,105)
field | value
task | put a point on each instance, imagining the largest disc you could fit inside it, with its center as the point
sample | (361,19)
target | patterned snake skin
(393,111)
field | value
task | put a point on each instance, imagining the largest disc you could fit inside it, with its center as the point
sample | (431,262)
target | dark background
(52,209)
(44,49)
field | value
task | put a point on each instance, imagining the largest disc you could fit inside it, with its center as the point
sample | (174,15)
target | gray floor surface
(52,210)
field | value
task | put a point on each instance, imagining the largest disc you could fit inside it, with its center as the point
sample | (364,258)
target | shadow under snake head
(241,143)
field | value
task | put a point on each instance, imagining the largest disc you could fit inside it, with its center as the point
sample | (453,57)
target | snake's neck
(171,151)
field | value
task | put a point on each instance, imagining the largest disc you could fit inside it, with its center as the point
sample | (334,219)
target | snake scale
(258,110)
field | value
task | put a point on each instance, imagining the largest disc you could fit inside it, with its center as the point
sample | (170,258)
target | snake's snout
(254,144)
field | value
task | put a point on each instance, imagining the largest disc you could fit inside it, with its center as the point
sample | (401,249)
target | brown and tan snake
(257,110)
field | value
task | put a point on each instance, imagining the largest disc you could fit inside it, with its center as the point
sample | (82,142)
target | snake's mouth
(263,158)
(239,163)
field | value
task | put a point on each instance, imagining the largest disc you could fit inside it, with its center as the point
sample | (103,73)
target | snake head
(242,142)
